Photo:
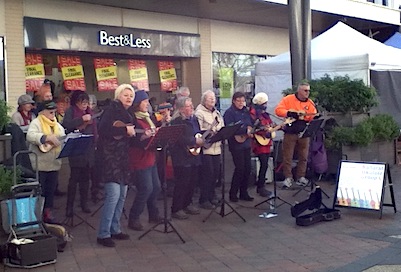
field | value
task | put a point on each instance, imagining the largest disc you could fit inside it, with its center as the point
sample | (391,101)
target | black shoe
(246,198)
(263,192)
(107,242)
(120,236)
(234,198)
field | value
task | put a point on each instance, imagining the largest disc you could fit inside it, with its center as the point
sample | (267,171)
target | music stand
(272,199)
(310,131)
(164,137)
(223,134)
(76,146)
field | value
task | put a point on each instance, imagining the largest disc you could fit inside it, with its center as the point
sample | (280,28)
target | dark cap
(47,105)
(25,99)
(46,81)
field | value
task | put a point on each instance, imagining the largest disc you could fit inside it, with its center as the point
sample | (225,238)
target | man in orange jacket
(302,109)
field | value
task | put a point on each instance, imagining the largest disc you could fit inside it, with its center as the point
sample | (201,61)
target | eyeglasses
(307,90)
(52,112)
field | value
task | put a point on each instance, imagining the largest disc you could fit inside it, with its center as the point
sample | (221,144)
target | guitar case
(320,212)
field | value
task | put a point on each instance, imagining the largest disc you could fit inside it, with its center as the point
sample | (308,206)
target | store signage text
(123,40)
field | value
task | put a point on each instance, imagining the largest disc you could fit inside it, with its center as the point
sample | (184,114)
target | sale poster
(106,74)
(34,72)
(138,74)
(72,72)
(168,76)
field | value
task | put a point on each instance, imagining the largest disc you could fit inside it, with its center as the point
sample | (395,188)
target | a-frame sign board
(364,185)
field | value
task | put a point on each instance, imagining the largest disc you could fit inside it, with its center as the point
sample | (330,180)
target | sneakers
(302,181)
(287,183)
(107,242)
(207,206)
(135,225)
(181,215)
(263,192)
(191,209)
(120,236)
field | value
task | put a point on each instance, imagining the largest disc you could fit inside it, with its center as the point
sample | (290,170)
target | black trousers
(184,186)
(263,160)
(48,181)
(242,171)
(210,172)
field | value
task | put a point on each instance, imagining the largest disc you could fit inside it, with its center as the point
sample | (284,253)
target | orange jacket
(291,102)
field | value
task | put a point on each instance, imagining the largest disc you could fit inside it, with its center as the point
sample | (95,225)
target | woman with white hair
(210,120)
(115,129)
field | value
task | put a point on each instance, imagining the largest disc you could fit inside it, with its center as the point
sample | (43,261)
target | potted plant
(372,139)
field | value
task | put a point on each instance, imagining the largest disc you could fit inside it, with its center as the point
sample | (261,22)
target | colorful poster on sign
(168,77)
(226,81)
(106,74)
(34,72)
(138,74)
(72,72)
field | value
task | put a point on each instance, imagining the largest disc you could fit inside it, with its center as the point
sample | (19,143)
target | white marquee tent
(339,51)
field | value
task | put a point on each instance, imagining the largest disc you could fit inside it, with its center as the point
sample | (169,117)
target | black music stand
(76,146)
(164,137)
(310,131)
(272,199)
(223,134)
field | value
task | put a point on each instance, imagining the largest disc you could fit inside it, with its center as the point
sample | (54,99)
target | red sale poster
(168,77)
(138,74)
(72,72)
(34,72)
(106,74)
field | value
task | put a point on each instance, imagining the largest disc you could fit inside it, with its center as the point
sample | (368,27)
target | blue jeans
(148,188)
(114,200)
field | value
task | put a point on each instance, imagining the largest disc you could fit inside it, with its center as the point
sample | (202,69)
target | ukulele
(341,201)
(377,206)
(354,201)
(263,140)
(46,147)
(361,201)
(242,138)
(348,199)
(119,123)
(372,202)
(302,114)
(205,137)
(86,123)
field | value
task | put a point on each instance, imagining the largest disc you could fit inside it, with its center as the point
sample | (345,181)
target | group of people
(121,140)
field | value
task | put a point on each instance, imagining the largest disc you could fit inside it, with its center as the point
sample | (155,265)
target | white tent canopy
(339,51)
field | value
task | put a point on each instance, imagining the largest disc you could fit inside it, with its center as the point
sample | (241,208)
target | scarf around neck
(146,116)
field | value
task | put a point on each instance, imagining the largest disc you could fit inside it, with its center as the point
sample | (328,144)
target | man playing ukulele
(301,108)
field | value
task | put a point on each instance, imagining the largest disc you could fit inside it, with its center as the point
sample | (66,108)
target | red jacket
(264,121)
(139,157)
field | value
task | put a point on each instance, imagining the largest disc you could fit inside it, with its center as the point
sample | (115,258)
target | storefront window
(2,71)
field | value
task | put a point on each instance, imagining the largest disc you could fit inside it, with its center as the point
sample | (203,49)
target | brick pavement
(359,241)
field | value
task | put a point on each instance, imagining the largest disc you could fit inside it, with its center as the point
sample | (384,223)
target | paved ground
(359,241)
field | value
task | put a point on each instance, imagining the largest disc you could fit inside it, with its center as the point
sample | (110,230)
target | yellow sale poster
(34,72)
(138,74)
(72,72)
(168,76)
(106,74)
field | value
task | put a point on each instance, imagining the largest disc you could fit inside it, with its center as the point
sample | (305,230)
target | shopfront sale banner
(138,74)
(34,72)
(72,72)
(226,82)
(168,76)
(106,74)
